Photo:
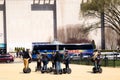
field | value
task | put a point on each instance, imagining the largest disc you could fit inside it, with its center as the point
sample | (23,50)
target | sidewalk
(13,71)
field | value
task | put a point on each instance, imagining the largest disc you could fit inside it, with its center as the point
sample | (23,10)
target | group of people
(57,58)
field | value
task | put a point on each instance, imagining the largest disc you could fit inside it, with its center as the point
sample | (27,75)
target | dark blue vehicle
(84,49)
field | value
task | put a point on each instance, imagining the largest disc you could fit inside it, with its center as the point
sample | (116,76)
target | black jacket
(26,55)
(58,57)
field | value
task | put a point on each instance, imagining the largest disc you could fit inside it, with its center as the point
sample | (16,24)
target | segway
(27,70)
(60,71)
(45,70)
(97,70)
(37,69)
(68,70)
(50,69)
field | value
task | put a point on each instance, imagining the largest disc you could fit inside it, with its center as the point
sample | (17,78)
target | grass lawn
(109,63)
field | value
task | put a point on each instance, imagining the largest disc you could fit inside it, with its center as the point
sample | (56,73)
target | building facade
(25,25)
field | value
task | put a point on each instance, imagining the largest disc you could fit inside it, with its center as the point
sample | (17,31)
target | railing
(107,60)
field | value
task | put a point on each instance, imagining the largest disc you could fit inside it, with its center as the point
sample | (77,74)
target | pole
(102,31)
(4,25)
(55,20)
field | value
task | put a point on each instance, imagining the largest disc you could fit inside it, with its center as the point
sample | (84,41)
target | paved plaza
(13,71)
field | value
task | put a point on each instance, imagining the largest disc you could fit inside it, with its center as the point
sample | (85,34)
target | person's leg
(57,67)
(37,64)
(40,64)
(59,64)
(67,65)
(27,63)
(95,64)
(53,64)
(45,66)
(98,64)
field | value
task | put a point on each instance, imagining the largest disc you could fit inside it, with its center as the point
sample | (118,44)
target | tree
(73,34)
(102,7)
(113,18)
(111,39)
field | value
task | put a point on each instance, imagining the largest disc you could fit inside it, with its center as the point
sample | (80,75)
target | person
(20,53)
(66,59)
(53,60)
(26,57)
(96,58)
(58,61)
(39,57)
(118,49)
(45,60)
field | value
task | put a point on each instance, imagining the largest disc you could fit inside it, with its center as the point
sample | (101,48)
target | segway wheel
(28,70)
(100,70)
(51,69)
(48,70)
(94,70)
(60,71)
(24,70)
(69,70)
(42,70)
(64,70)
(55,71)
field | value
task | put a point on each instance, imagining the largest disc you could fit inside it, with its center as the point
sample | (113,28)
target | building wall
(25,26)
(1,24)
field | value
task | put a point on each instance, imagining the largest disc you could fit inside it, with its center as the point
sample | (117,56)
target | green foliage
(98,5)
(17,49)
(110,63)
(109,51)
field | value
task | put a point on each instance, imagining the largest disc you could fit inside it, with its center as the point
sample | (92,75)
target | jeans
(58,66)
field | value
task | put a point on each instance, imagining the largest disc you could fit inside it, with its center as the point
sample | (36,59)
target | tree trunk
(102,31)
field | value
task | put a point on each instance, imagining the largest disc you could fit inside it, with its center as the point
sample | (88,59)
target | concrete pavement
(13,71)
